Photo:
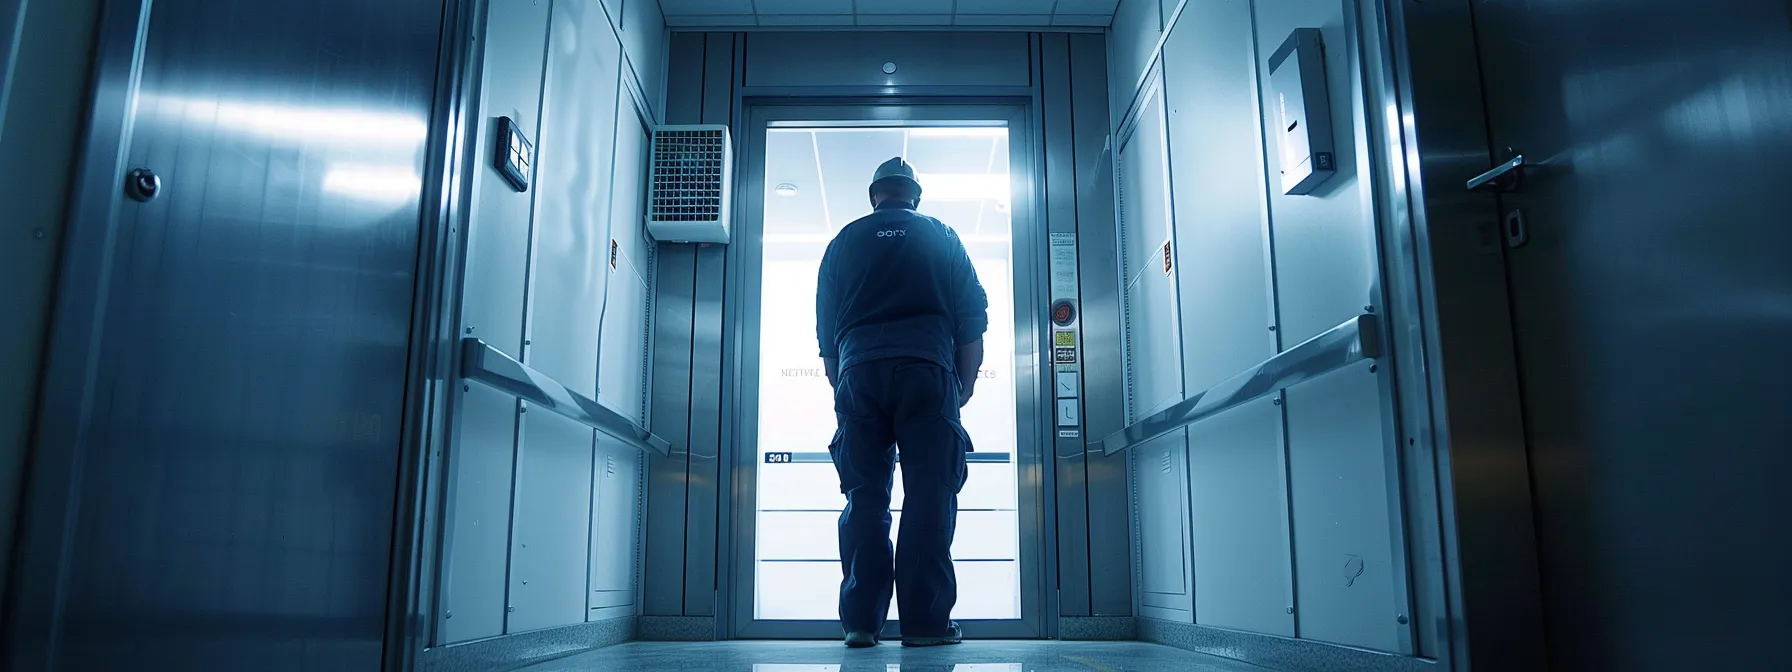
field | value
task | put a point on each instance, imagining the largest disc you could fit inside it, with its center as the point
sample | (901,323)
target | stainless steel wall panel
(663,579)
(616,478)
(575,165)
(1337,476)
(708,410)
(498,234)
(229,499)
(475,568)
(1069,457)
(1104,377)
(1132,44)
(663,589)
(551,523)
(1166,582)
(844,59)
(1239,508)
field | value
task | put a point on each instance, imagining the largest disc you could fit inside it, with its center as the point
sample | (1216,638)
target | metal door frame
(1033,479)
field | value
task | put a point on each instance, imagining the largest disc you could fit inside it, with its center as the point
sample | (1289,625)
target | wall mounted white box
(1300,105)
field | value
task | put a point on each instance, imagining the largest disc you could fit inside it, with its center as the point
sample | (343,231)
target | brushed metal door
(1651,311)
(233,506)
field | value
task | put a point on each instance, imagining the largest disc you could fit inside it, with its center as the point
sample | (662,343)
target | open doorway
(813,183)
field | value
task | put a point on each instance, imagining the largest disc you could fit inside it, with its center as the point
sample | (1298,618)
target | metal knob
(142,185)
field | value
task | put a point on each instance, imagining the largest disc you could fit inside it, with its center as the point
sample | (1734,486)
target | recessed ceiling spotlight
(785,189)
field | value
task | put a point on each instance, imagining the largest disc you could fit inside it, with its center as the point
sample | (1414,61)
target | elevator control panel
(1300,105)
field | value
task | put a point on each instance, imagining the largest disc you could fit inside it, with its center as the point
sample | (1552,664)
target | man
(900,318)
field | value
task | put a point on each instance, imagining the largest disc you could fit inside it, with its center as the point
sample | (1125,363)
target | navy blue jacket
(896,283)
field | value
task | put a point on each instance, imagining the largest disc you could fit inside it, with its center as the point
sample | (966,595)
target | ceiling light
(785,189)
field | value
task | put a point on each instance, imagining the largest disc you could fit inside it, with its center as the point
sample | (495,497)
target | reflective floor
(810,656)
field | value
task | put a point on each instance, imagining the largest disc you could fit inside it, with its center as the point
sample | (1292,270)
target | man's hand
(970,359)
(831,367)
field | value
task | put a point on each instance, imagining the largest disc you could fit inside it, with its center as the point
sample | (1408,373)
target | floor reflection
(830,656)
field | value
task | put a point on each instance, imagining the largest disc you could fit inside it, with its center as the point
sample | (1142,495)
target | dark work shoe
(953,636)
(861,640)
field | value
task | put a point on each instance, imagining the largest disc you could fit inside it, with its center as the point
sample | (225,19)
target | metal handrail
(819,457)
(1357,339)
(486,364)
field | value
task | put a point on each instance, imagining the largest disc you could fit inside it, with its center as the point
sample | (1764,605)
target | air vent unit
(690,184)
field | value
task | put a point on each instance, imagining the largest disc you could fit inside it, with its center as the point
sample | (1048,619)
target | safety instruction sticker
(1063,265)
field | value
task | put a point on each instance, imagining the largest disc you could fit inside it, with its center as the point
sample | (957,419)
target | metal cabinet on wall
(615,528)
(622,369)
(1153,363)
(1239,495)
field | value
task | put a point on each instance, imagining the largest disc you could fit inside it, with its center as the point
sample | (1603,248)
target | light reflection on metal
(486,364)
(1355,340)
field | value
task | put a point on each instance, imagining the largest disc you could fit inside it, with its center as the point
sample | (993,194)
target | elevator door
(811,178)
(231,501)
(1649,275)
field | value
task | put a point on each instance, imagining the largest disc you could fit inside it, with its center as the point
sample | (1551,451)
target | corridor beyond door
(815,184)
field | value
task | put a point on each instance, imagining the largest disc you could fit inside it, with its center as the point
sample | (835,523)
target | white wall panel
(477,550)
(643,33)
(1161,528)
(1243,567)
(1342,545)
(478,544)
(1132,38)
(624,348)
(573,169)
(549,554)
(498,235)
(1327,272)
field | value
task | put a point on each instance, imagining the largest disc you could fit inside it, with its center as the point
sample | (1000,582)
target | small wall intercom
(1302,109)
(512,155)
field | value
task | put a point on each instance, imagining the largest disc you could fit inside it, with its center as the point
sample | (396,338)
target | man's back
(896,283)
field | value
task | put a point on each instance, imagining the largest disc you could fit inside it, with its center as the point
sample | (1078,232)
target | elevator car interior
(1324,335)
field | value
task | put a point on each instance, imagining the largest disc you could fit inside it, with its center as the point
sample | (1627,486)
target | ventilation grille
(689,182)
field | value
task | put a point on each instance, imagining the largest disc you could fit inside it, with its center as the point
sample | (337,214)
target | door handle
(1504,177)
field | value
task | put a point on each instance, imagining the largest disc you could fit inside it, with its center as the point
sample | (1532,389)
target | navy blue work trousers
(882,406)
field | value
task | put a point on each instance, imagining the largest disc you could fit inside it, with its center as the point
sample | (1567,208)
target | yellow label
(1064,339)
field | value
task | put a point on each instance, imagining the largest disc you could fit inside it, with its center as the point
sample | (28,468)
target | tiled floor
(976,656)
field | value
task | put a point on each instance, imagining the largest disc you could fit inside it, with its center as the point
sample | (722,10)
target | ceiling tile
(905,19)
(1095,20)
(1083,7)
(813,7)
(904,7)
(1003,20)
(1005,6)
(711,20)
(706,7)
(805,20)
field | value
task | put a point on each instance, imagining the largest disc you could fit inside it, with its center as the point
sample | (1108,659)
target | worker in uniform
(900,318)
